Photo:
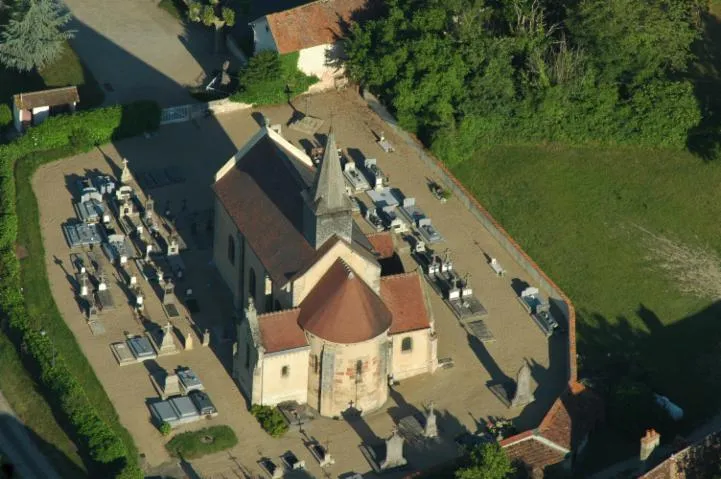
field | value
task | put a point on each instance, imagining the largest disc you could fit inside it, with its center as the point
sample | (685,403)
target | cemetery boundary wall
(557,298)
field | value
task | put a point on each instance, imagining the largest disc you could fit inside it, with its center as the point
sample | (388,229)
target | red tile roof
(280,331)
(574,414)
(382,243)
(404,296)
(316,23)
(262,194)
(343,309)
(533,452)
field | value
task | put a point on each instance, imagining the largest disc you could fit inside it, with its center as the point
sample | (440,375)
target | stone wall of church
(419,359)
(285,377)
(245,360)
(223,229)
(348,375)
(368,271)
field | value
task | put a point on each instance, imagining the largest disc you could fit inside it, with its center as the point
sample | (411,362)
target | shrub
(165,429)
(6,116)
(194,444)
(56,138)
(270,79)
(270,419)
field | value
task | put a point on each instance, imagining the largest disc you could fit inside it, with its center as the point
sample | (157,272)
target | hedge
(270,419)
(54,139)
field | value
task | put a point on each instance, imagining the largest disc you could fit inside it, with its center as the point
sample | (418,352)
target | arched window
(251,284)
(407,344)
(285,371)
(231,249)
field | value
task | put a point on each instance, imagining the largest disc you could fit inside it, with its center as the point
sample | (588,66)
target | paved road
(137,51)
(19,447)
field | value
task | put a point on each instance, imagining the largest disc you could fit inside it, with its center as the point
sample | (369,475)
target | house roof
(316,23)
(533,451)
(701,459)
(572,416)
(262,194)
(343,309)
(54,97)
(563,428)
(279,331)
(404,296)
(382,244)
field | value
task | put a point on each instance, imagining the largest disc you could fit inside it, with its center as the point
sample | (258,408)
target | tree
(216,14)
(488,461)
(34,36)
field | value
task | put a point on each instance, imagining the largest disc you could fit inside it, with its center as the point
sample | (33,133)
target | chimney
(649,443)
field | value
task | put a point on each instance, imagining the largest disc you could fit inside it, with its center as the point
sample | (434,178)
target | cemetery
(146,297)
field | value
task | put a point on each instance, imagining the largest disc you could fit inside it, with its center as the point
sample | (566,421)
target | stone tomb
(163,341)
(518,394)
(417,429)
(167,386)
(169,299)
(320,453)
(123,354)
(386,456)
(103,293)
(271,468)
(292,462)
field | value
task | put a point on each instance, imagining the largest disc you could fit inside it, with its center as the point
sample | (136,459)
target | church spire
(329,190)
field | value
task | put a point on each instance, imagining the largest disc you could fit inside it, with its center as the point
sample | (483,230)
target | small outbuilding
(30,109)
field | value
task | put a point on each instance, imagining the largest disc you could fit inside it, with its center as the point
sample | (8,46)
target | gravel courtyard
(198,149)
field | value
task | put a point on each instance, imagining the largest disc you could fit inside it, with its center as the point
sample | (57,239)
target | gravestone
(167,344)
(168,292)
(430,429)
(173,246)
(133,280)
(139,299)
(125,175)
(149,209)
(84,290)
(188,340)
(206,337)
(148,249)
(523,394)
(92,311)
(171,387)
(394,452)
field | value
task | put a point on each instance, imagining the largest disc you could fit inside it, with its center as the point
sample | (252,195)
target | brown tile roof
(533,452)
(280,331)
(382,243)
(343,309)
(262,194)
(313,24)
(54,97)
(404,296)
(572,417)
(701,459)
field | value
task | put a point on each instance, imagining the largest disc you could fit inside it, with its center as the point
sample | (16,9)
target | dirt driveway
(136,51)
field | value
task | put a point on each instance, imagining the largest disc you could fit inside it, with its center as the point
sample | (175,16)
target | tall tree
(488,461)
(214,13)
(34,37)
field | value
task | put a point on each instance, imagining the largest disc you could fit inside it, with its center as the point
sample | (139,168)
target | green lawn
(68,70)
(195,444)
(577,212)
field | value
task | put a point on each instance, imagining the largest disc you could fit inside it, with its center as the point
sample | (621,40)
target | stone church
(319,322)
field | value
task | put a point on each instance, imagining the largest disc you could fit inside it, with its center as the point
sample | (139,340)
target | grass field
(579,212)
(32,409)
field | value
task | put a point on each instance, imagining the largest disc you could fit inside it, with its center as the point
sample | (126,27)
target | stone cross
(430,429)
(125,176)
(523,394)
(83,284)
(394,452)
(102,286)
(167,344)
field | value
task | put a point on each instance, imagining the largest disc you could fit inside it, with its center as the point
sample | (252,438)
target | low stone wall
(226,106)
(558,299)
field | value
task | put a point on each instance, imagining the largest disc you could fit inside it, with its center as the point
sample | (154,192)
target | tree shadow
(29,455)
